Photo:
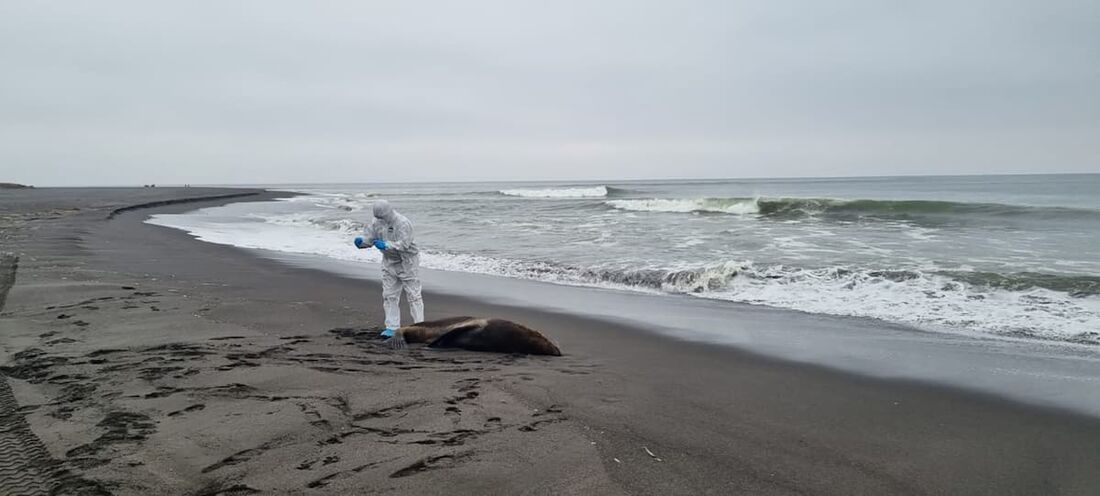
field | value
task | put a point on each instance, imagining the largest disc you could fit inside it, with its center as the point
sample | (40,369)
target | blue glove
(380,244)
(359,242)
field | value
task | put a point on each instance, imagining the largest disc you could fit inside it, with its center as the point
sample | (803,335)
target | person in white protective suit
(392,234)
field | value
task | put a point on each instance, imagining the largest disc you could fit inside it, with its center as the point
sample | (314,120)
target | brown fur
(428,331)
(479,335)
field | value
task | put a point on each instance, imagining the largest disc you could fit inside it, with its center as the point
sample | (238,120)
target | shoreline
(720,419)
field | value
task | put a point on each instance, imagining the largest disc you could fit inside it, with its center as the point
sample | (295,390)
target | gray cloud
(274,91)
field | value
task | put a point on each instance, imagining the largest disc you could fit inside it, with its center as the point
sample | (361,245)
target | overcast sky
(101,93)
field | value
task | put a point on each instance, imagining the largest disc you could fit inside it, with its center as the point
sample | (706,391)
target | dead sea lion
(470,333)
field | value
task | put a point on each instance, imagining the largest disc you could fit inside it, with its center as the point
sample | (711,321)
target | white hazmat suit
(400,263)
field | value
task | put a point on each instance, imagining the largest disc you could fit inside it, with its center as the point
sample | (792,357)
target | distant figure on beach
(392,234)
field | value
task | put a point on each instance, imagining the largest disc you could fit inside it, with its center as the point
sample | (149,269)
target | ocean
(1007,257)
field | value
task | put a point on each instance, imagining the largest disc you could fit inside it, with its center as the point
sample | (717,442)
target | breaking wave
(573,192)
(841,208)
(1075,286)
(738,206)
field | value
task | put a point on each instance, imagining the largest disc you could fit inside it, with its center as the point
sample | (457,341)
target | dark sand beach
(138,360)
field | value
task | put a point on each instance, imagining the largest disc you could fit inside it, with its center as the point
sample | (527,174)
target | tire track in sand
(26,467)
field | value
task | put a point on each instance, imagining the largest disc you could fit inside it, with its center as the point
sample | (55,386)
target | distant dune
(13,186)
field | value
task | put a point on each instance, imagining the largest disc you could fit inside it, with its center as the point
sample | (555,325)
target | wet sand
(144,361)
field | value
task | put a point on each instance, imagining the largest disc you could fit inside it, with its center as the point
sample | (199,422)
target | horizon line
(468,181)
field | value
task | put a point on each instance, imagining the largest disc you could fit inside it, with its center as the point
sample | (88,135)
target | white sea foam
(923,299)
(290,234)
(579,192)
(308,220)
(336,201)
(712,205)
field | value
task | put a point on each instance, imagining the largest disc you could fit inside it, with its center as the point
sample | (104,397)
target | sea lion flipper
(396,342)
(448,339)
